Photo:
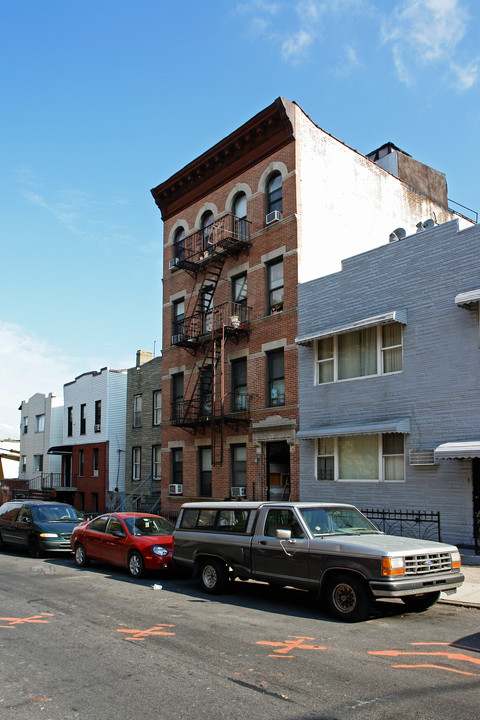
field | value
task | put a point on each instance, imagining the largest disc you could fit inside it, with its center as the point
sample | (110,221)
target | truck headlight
(456,559)
(159,550)
(393,566)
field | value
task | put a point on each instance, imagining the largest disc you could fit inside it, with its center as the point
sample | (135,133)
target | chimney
(143,356)
(421,178)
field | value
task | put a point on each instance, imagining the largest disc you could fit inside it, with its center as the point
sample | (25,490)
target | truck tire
(213,576)
(348,598)
(417,603)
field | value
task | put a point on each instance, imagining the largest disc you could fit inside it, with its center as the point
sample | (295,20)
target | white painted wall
(38,443)
(109,386)
(348,204)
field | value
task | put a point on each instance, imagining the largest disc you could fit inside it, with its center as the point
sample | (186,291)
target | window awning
(467,298)
(458,450)
(400,425)
(399,316)
(60,450)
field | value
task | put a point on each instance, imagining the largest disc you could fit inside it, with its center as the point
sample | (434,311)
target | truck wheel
(214,576)
(417,603)
(348,598)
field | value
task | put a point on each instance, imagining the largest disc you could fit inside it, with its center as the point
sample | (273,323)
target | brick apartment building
(276,203)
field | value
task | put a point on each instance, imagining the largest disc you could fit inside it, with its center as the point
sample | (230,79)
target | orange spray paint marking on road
(142,634)
(12,621)
(460,657)
(289,645)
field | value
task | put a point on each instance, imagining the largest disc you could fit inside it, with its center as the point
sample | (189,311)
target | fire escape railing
(226,235)
(200,409)
(234,317)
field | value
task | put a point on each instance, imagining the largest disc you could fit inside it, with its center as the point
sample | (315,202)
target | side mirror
(118,534)
(283,534)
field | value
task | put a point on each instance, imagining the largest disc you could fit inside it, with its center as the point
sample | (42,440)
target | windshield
(56,513)
(336,520)
(148,526)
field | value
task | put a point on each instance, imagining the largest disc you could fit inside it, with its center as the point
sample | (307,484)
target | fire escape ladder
(195,315)
(218,396)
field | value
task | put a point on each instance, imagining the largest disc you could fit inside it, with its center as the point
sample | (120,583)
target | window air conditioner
(176,339)
(238,491)
(97,427)
(95,473)
(174,264)
(421,457)
(175,489)
(273,217)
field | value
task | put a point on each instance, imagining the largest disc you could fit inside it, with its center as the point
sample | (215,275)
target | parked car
(328,548)
(137,541)
(37,525)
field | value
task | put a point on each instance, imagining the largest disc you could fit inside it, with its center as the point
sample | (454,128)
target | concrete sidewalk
(468,594)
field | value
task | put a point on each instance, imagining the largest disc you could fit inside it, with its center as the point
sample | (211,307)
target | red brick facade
(272,458)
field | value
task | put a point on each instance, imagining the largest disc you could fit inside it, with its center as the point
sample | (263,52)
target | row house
(143,433)
(93,448)
(40,427)
(389,352)
(276,203)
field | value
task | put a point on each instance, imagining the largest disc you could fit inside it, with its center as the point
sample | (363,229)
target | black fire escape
(206,328)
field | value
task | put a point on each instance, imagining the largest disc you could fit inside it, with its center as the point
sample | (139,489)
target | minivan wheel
(136,566)
(81,557)
(214,576)
(34,549)
(348,598)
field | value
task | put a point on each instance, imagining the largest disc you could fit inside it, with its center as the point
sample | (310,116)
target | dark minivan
(37,525)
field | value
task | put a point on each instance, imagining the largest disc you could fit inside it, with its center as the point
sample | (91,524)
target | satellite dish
(429,224)
(400,233)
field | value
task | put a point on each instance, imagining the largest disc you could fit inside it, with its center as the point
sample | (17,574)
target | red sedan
(137,541)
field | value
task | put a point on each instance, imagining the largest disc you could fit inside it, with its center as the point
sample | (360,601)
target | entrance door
(476,503)
(278,470)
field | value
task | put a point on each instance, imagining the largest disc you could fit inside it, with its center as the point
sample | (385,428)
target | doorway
(278,470)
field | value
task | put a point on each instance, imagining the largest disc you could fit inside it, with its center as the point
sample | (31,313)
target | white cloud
(28,364)
(294,46)
(425,33)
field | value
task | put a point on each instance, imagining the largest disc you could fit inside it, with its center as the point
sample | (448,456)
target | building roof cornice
(268,131)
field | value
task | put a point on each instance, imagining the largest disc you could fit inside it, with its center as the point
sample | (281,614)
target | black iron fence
(421,524)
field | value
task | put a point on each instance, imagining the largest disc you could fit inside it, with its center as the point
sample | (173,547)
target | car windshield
(144,525)
(55,513)
(336,520)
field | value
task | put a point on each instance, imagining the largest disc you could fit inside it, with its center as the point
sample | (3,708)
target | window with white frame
(156,462)
(38,463)
(157,407)
(379,458)
(137,411)
(136,460)
(376,350)
(39,423)
(81,462)
(24,464)
(95,462)
(25,425)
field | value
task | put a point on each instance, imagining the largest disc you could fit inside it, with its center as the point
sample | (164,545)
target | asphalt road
(93,643)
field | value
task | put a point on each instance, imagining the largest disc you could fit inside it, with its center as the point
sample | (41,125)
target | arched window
(274,193)
(206,226)
(179,244)
(240,216)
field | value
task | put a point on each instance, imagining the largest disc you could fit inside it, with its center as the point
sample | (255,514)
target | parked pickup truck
(331,549)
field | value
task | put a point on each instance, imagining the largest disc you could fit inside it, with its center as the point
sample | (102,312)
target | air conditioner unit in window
(238,491)
(421,457)
(175,489)
(97,427)
(174,264)
(176,339)
(273,217)
(95,473)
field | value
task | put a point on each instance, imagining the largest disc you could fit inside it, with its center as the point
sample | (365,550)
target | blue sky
(103,100)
